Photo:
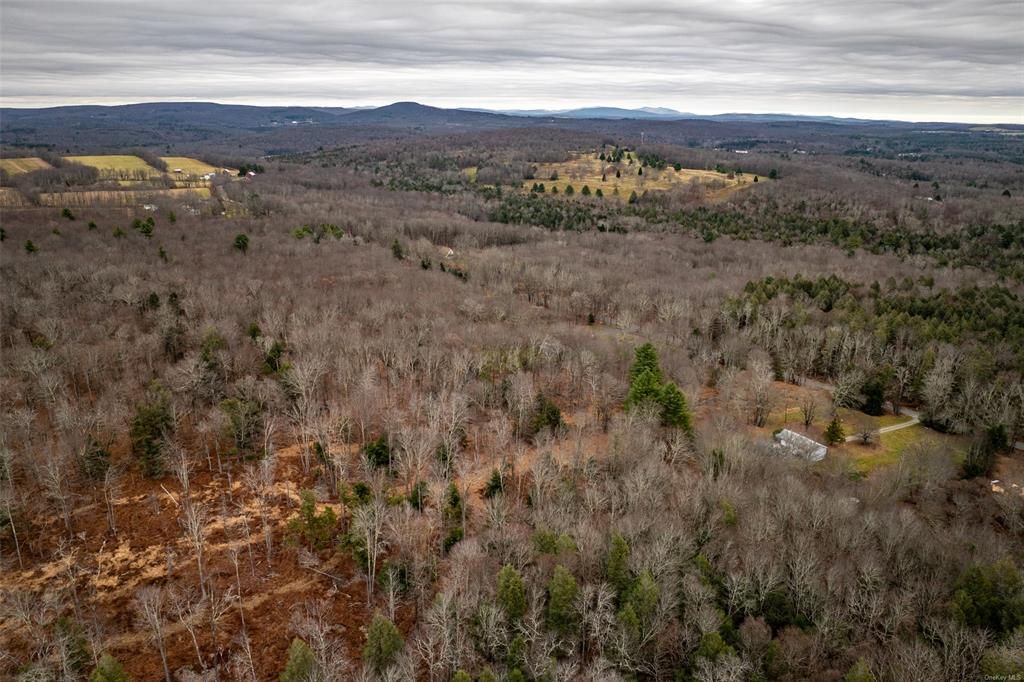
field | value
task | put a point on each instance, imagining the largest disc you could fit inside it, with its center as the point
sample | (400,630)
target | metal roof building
(792,443)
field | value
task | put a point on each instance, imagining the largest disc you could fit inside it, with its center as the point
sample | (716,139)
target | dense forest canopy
(379,407)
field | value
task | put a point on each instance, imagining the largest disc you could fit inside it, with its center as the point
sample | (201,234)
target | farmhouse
(791,443)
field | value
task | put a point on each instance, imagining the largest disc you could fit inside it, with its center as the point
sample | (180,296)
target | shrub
(244,423)
(314,528)
(418,496)
(241,243)
(545,415)
(109,669)
(859,672)
(494,485)
(377,452)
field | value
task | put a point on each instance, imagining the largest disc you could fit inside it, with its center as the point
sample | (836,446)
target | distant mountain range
(665,114)
(242,129)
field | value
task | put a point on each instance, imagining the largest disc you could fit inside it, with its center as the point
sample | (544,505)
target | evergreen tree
(242,243)
(645,389)
(617,567)
(633,197)
(109,669)
(511,592)
(561,614)
(645,359)
(301,665)
(462,676)
(859,672)
(585,191)
(674,410)
(834,432)
(383,642)
(153,422)
(396,249)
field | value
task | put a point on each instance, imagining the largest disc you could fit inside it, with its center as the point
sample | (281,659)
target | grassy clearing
(23,165)
(188,166)
(117,165)
(895,444)
(589,170)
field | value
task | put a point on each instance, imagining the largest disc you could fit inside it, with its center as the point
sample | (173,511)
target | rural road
(915,418)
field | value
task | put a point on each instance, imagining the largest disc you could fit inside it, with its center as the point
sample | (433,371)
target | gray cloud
(938,60)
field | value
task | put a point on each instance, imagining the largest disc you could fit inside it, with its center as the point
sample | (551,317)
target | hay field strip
(117,165)
(189,166)
(118,198)
(25,164)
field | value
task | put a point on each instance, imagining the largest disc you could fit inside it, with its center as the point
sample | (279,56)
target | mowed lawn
(895,444)
(117,165)
(23,165)
(596,174)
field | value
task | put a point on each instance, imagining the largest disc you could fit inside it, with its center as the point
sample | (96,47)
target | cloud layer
(916,59)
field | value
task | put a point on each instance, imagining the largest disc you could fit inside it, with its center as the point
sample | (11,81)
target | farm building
(792,443)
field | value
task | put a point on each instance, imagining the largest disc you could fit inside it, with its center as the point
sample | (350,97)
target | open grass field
(589,170)
(23,165)
(117,165)
(188,166)
(118,198)
(895,444)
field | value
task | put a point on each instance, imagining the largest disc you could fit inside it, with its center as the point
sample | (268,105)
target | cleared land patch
(118,198)
(118,166)
(590,171)
(188,166)
(23,165)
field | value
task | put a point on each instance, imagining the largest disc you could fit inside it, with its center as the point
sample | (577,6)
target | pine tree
(561,614)
(396,249)
(674,410)
(383,642)
(859,672)
(462,676)
(153,422)
(645,389)
(242,243)
(834,432)
(645,359)
(109,669)
(301,665)
(511,592)
(617,567)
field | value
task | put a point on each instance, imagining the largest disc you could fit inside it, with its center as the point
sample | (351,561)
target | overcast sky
(959,60)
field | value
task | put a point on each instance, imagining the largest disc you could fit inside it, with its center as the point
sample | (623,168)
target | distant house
(178,170)
(792,443)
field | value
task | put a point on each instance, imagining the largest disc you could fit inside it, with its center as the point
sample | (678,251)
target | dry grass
(589,170)
(116,165)
(23,165)
(188,166)
(115,198)
(12,198)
